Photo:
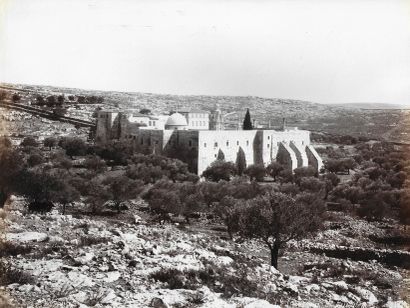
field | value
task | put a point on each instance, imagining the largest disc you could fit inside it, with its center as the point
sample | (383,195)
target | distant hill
(374,120)
(262,109)
(373,106)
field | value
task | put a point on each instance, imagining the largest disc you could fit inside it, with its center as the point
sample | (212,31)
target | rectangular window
(237,142)
(204,144)
(227,143)
(268,145)
(142,140)
(190,143)
(215,144)
(247,142)
(268,137)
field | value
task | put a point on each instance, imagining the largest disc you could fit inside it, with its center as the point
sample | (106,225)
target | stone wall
(210,142)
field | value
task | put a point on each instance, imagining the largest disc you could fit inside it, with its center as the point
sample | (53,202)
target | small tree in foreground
(276,218)
(96,195)
(122,188)
(11,163)
(41,187)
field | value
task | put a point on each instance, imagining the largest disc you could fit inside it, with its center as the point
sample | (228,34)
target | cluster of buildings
(196,137)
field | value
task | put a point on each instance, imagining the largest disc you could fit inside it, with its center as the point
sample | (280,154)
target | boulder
(396,304)
(157,302)
(260,303)
(25,237)
(85,259)
(366,295)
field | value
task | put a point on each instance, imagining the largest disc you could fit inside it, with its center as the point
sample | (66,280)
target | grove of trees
(288,207)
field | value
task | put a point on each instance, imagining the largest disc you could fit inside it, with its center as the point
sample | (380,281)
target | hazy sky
(326,51)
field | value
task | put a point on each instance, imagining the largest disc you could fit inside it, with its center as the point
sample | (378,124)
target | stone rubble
(113,269)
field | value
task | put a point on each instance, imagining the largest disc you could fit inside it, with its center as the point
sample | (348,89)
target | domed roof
(176,119)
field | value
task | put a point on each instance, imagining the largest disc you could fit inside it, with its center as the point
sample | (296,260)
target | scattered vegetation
(9,275)
(12,249)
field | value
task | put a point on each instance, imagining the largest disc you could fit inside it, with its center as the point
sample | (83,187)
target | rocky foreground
(127,260)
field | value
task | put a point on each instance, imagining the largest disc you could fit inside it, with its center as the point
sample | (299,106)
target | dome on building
(176,120)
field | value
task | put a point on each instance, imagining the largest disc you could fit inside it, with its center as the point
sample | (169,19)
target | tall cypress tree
(240,161)
(247,123)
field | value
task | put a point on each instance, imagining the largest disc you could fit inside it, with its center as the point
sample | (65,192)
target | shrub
(255,172)
(35,159)
(73,146)
(11,249)
(216,277)
(40,206)
(220,170)
(29,142)
(50,142)
(90,240)
(175,279)
(9,275)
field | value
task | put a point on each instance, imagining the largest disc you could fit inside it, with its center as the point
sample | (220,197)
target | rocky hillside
(389,124)
(130,261)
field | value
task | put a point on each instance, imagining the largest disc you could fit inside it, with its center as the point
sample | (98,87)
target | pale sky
(326,51)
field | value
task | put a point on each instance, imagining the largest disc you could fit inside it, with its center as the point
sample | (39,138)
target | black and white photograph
(204,153)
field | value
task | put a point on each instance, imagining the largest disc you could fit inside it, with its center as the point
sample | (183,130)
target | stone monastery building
(196,137)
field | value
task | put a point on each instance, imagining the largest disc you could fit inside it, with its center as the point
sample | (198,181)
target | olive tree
(122,188)
(11,164)
(276,218)
(219,170)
